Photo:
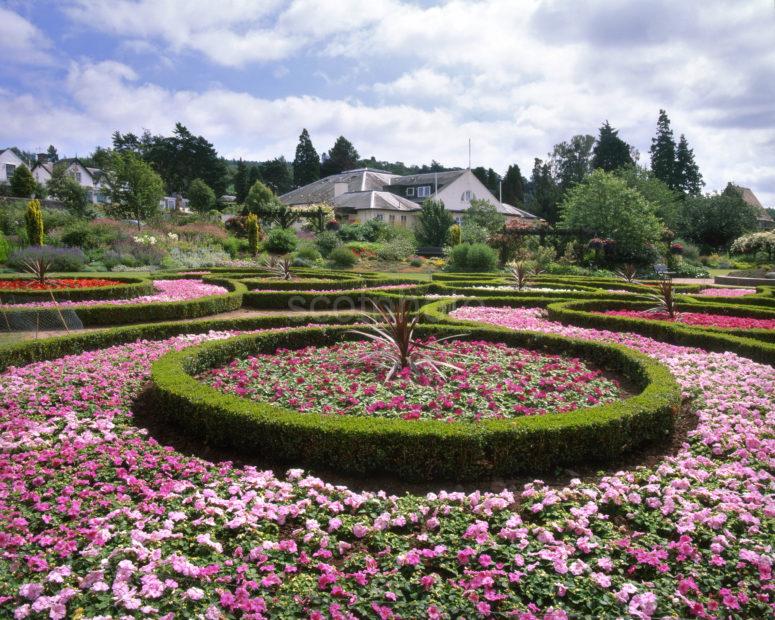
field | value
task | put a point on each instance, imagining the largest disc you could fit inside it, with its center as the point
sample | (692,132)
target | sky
(403,80)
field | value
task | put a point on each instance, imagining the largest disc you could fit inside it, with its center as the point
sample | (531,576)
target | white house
(9,162)
(88,178)
(365,194)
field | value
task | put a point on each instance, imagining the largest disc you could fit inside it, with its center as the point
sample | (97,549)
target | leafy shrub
(327,241)
(473,233)
(351,232)
(281,241)
(307,251)
(398,249)
(472,257)
(5,248)
(342,257)
(194,258)
(755,243)
(61,259)
(416,262)
(88,236)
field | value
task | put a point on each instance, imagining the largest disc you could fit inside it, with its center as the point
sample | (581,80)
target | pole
(500,191)
(469,153)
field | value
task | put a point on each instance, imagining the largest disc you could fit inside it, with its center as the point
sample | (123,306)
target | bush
(351,232)
(398,249)
(472,257)
(61,259)
(5,248)
(327,241)
(88,236)
(342,257)
(416,262)
(307,251)
(281,241)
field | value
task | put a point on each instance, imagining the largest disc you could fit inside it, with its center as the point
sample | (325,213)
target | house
(763,218)
(365,194)
(91,179)
(175,203)
(9,162)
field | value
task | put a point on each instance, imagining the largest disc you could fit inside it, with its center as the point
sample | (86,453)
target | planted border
(421,449)
(346,299)
(128,288)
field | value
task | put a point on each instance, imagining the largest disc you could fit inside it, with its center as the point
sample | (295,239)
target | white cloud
(21,42)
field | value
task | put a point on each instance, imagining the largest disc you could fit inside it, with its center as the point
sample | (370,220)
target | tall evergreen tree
(610,151)
(544,192)
(687,171)
(306,164)
(240,181)
(53,155)
(663,152)
(341,157)
(276,173)
(513,186)
(571,161)
(254,174)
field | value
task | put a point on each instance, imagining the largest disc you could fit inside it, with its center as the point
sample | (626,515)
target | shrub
(416,262)
(342,257)
(253,232)
(472,257)
(327,241)
(201,196)
(61,259)
(281,241)
(473,233)
(307,251)
(398,249)
(5,248)
(755,244)
(88,236)
(33,221)
(454,234)
(23,183)
(351,232)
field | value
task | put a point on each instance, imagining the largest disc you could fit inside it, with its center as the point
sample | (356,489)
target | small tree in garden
(628,272)
(523,271)
(279,267)
(72,194)
(454,234)
(200,196)
(253,233)
(484,214)
(397,348)
(433,224)
(318,216)
(665,297)
(23,183)
(33,221)
(38,266)
(135,189)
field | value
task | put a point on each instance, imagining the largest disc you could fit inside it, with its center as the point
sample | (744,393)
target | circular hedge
(128,288)
(419,449)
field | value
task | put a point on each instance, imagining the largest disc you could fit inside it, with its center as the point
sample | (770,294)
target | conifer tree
(610,151)
(306,164)
(513,186)
(241,185)
(663,152)
(33,222)
(687,171)
(341,157)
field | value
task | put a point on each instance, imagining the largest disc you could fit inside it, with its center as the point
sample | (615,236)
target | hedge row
(128,288)
(414,450)
(348,299)
(300,284)
(120,314)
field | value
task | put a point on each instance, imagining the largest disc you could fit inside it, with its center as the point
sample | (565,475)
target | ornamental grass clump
(397,348)
(521,272)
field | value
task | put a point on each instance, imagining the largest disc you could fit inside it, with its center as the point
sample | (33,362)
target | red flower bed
(27,284)
(700,318)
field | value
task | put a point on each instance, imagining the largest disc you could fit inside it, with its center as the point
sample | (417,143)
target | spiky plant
(279,267)
(665,297)
(38,267)
(397,348)
(628,272)
(521,272)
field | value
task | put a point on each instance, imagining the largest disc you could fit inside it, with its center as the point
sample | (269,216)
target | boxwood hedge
(422,449)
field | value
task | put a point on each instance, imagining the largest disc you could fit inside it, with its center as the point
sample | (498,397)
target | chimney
(42,158)
(340,188)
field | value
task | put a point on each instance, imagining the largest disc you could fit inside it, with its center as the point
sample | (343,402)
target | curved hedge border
(130,287)
(121,314)
(346,299)
(416,450)
(301,284)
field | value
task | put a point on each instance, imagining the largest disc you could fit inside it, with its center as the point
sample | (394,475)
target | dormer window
(423,191)
(78,176)
(410,191)
(468,196)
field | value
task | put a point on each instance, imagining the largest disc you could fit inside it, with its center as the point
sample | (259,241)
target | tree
(23,183)
(489,178)
(253,232)
(201,197)
(513,186)
(260,200)
(485,215)
(341,157)
(33,223)
(276,174)
(240,181)
(663,152)
(544,195)
(665,200)
(69,191)
(604,206)
(135,189)
(571,161)
(688,177)
(433,223)
(715,221)
(611,152)
(53,156)
(318,217)
(306,164)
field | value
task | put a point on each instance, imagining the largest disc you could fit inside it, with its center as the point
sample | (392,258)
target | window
(410,191)
(379,217)
(458,220)
(78,176)
(9,170)
(468,196)
(392,218)
(423,191)
(403,220)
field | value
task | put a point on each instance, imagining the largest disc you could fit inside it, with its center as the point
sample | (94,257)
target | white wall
(385,215)
(41,175)
(8,157)
(452,194)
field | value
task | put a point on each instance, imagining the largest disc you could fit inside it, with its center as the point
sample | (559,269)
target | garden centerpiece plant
(521,272)
(279,267)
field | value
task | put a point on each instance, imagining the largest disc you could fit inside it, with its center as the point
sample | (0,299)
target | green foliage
(281,240)
(23,183)
(135,189)
(240,182)
(253,233)
(308,252)
(571,161)
(201,197)
(513,186)
(476,257)
(667,201)
(306,164)
(663,152)
(611,152)
(454,234)
(489,178)
(544,193)
(327,241)
(485,215)
(605,207)
(260,200)
(88,235)
(276,174)
(433,224)
(341,157)
(342,256)
(472,233)
(400,248)
(72,194)
(5,248)
(715,221)
(59,259)
(33,222)
(688,177)
(756,243)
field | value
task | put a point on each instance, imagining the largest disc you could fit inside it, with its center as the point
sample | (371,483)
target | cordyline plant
(397,347)
(628,272)
(521,272)
(38,267)
(279,267)
(665,297)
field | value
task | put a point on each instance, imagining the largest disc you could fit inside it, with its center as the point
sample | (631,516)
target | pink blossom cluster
(342,291)
(100,520)
(726,292)
(701,319)
(167,290)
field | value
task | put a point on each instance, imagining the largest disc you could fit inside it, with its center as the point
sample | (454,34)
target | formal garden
(269,440)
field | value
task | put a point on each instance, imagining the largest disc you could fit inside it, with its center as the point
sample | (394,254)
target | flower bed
(100,520)
(14,290)
(726,292)
(494,382)
(699,318)
(51,284)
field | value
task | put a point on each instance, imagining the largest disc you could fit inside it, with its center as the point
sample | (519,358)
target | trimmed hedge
(415,450)
(347,299)
(113,314)
(300,285)
(128,288)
